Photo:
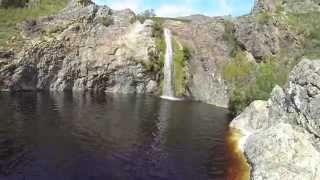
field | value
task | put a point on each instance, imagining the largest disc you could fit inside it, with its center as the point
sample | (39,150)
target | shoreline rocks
(281,136)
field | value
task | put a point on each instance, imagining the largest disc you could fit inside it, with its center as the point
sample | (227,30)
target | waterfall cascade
(168,84)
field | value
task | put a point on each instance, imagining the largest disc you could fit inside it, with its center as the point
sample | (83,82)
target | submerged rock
(283,140)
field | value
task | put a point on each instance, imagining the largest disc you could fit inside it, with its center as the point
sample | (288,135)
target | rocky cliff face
(84,48)
(260,35)
(282,135)
(296,6)
(204,36)
(90,47)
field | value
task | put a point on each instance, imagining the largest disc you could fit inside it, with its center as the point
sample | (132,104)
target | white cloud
(174,10)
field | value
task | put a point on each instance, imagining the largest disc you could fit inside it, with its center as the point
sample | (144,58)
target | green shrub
(240,99)
(239,69)
(250,81)
(106,21)
(229,36)
(157,29)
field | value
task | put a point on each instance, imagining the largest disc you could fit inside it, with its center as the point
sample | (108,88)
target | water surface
(89,137)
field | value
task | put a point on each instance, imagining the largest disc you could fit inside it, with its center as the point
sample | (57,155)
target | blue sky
(174,8)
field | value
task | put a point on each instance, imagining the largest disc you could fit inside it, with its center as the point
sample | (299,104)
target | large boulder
(282,134)
(303,92)
(253,118)
(281,153)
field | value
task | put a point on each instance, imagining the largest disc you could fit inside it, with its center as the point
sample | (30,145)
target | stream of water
(168,82)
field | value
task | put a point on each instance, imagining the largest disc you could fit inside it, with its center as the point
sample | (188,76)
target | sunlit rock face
(85,48)
(204,35)
(284,144)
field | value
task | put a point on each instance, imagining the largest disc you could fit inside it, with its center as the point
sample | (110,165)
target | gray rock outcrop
(300,6)
(282,135)
(90,48)
(260,39)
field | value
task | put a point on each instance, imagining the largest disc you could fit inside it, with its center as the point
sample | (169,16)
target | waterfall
(168,84)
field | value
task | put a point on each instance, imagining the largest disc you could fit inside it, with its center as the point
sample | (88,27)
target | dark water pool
(88,137)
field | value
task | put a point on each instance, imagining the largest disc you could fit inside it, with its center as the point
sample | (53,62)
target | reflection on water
(83,136)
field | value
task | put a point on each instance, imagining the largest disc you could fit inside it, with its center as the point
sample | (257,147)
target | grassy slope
(9,18)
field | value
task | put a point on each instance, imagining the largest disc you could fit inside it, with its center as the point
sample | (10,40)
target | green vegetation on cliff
(181,55)
(307,24)
(10,17)
(252,81)
(229,36)
(180,59)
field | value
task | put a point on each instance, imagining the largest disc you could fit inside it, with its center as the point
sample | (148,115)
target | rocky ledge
(281,135)
(84,48)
